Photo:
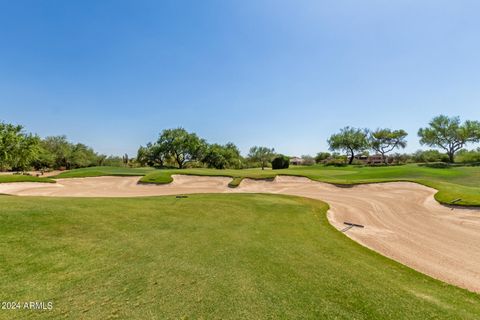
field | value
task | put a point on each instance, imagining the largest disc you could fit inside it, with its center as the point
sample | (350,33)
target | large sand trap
(402,220)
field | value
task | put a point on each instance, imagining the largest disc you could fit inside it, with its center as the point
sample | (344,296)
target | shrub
(429,156)
(321,156)
(308,160)
(437,165)
(336,162)
(465,156)
(281,162)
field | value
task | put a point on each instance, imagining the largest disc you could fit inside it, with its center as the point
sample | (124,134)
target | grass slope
(5,178)
(103,171)
(207,256)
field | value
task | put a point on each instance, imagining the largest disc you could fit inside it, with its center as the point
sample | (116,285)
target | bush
(465,156)
(336,162)
(437,165)
(281,162)
(322,156)
(429,156)
(308,160)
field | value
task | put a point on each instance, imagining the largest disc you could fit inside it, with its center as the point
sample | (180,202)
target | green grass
(103,171)
(5,178)
(207,256)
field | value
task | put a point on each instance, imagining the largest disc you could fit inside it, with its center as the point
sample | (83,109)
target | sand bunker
(402,220)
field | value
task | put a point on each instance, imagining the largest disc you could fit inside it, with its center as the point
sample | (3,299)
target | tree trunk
(352,156)
(451,156)
(384,158)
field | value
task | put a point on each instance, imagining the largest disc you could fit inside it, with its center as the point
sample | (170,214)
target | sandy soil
(402,220)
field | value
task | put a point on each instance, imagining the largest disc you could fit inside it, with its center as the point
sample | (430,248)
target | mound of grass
(103,171)
(207,256)
(5,178)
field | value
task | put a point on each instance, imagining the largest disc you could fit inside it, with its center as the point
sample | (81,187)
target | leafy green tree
(221,157)
(10,136)
(27,152)
(449,134)
(384,141)
(181,145)
(60,149)
(82,156)
(18,150)
(153,155)
(263,155)
(350,140)
(143,156)
(44,160)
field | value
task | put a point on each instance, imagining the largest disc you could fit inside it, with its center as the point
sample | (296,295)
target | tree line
(21,151)
(179,148)
(447,133)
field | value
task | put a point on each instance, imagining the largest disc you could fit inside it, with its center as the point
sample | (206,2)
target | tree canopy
(221,157)
(17,148)
(263,155)
(384,141)
(181,145)
(350,140)
(449,134)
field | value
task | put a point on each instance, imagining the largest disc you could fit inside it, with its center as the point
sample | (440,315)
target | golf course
(240,160)
(255,243)
(205,256)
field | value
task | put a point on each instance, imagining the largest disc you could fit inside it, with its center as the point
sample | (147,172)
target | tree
(349,140)
(27,152)
(18,149)
(10,136)
(262,155)
(61,150)
(153,155)
(384,141)
(82,156)
(449,134)
(221,157)
(181,145)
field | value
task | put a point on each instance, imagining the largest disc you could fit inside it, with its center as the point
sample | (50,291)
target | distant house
(296,161)
(377,159)
(373,159)
(361,157)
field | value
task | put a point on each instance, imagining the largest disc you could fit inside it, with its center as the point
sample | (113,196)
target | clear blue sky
(286,74)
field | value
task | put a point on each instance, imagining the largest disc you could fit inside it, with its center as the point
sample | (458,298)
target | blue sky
(286,74)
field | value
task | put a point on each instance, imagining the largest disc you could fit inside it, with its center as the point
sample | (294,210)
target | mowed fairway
(206,256)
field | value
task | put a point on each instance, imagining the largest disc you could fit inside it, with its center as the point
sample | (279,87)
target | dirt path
(402,220)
